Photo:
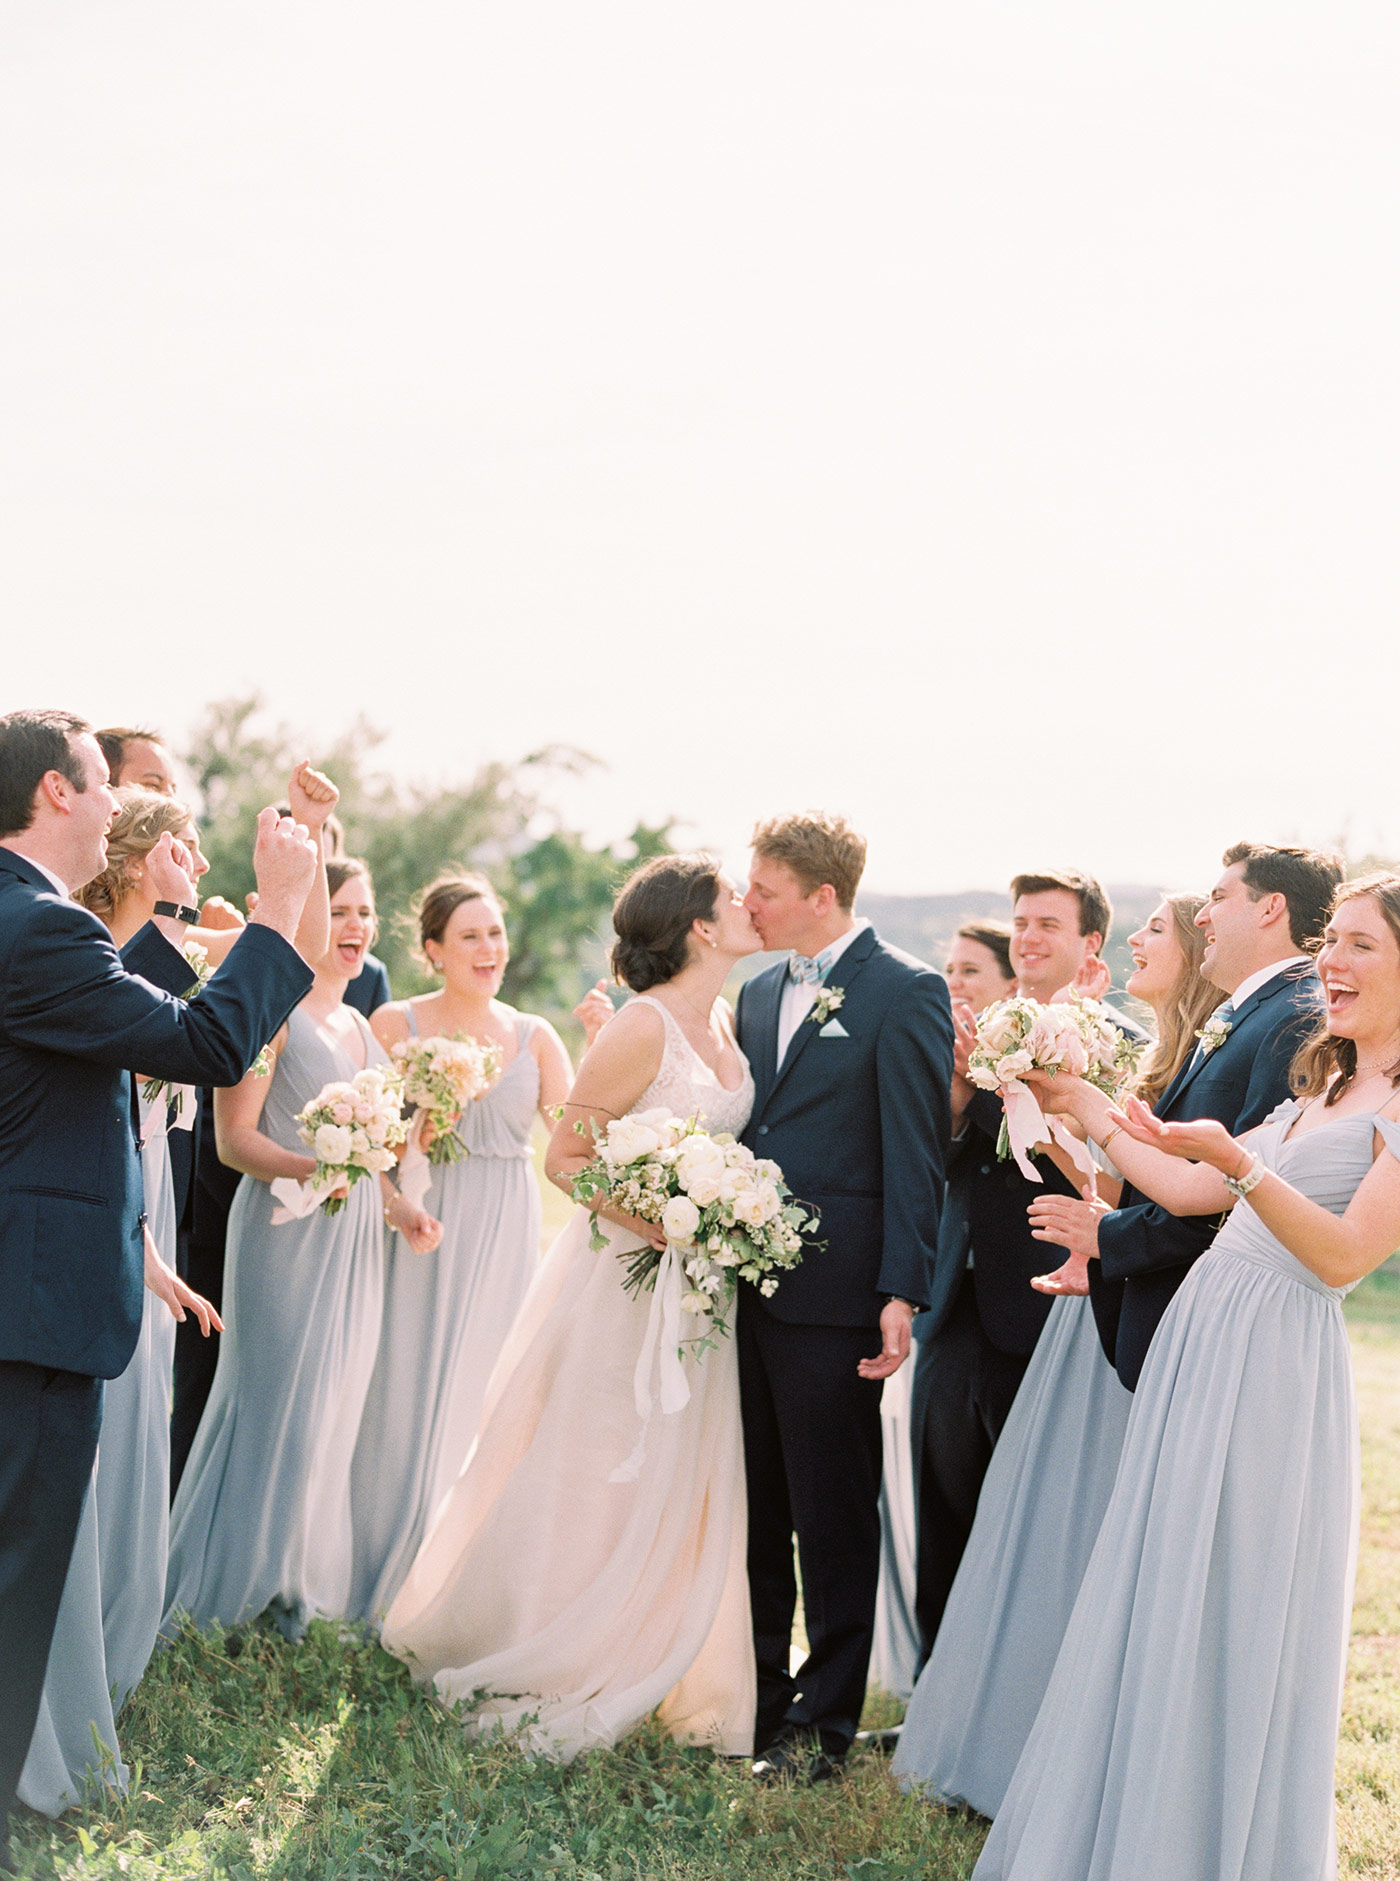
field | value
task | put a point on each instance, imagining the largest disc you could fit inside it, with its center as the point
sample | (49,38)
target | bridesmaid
(1051,1473)
(978,972)
(262,1517)
(1190,1725)
(446,1319)
(113,1594)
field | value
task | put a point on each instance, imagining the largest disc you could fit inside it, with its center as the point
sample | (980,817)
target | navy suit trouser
(963,1392)
(49,1422)
(813,1456)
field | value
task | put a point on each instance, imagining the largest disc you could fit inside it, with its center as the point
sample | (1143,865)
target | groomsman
(1263,923)
(984,1319)
(75,1019)
(851,1045)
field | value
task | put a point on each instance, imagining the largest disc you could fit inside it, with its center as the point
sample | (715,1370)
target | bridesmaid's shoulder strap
(1389,1134)
(412,1018)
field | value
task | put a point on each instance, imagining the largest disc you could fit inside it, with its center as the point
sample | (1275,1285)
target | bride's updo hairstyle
(653,915)
(141,820)
(1323,1057)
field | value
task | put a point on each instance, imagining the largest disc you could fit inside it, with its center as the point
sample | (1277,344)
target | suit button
(141,1219)
(986,1169)
(763,1129)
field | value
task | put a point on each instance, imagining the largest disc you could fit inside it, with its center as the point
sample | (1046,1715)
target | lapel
(1281,982)
(842,974)
(762,998)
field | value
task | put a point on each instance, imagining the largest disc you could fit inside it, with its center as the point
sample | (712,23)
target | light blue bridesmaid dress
(1042,1503)
(114,1592)
(262,1517)
(446,1316)
(1189,1729)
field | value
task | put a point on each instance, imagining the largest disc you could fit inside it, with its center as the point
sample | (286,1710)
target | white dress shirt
(1264,975)
(800,996)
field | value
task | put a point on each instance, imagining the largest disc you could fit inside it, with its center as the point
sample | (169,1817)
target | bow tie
(805,972)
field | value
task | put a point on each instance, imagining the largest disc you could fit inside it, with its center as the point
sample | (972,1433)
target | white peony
(703,1190)
(699,1160)
(748,1209)
(332,1143)
(680,1218)
(628,1139)
(1014,1065)
(769,1199)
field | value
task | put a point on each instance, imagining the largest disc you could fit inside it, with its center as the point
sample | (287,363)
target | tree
(559,890)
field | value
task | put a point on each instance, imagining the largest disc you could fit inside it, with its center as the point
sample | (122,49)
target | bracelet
(1240,1186)
(177,911)
(1117,1130)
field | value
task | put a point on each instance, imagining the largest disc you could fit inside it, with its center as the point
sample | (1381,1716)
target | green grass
(323,1760)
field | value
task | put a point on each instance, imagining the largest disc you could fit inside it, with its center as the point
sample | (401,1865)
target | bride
(588,1565)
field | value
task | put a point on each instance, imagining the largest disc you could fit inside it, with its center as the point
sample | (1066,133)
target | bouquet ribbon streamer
(296,1200)
(659,1357)
(415,1171)
(1027,1125)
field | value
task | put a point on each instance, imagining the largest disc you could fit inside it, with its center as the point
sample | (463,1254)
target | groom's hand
(896,1331)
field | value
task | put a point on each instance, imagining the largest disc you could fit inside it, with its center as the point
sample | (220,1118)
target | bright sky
(981,419)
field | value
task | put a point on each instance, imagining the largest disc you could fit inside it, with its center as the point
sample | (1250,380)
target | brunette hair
(31,745)
(442,898)
(114,740)
(818,847)
(1095,908)
(995,936)
(1326,1063)
(1193,1000)
(1308,880)
(652,917)
(142,819)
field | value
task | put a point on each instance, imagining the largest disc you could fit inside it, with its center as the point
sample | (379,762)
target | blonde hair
(1193,1000)
(142,819)
(818,847)
(1326,1063)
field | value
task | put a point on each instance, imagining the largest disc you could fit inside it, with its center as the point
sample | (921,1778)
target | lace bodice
(686,1086)
(1327,1164)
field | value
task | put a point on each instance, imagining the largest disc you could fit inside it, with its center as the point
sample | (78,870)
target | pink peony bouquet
(354,1130)
(1075,1037)
(441,1076)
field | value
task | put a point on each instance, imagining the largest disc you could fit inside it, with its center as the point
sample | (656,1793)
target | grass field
(322,1760)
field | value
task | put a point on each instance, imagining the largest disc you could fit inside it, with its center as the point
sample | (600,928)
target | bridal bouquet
(441,1076)
(1075,1036)
(727,1214)
(353,1130)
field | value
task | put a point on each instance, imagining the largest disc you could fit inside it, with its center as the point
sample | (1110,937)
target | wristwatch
(176,911)
(1240,1186)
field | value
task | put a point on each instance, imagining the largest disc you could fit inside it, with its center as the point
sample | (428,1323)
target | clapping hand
(964,1036)
(1073,1224)
(167,1285)
(219,915)
(312,796)
(1204,1141)
(1091,982)
(594,1010)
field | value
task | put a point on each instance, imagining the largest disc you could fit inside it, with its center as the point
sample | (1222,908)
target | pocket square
(833,1029)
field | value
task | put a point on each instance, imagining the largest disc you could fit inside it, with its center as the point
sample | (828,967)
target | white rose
(1014,1065)
(628,1140)
(769,1200)
(680,1218)
(748,1208)
(739,1156)
(331,1143)
(999,1027)
(703,1191)
(698,1160)
(380,1160)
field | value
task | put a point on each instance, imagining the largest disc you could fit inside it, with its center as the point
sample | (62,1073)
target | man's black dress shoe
(797,1759)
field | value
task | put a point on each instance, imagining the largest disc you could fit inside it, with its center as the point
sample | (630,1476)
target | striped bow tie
(805,972)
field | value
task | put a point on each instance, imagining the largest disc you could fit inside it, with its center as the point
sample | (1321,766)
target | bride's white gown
(576,1602)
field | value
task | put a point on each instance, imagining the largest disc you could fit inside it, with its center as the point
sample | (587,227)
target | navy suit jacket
(986,1212)
(369,990)
(859,1122)
(75,1019)
(1144,1252)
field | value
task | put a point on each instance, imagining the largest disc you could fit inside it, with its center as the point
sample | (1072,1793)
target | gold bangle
(1117,1130)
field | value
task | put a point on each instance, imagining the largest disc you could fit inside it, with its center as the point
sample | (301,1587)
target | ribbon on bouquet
(659,1356)
(415,1171)
(296,1200)
(1027,1125)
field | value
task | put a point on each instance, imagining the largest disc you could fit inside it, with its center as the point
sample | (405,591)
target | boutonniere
(1214,1032)
(828,1000)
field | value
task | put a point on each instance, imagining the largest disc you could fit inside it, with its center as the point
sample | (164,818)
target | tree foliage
(505,820)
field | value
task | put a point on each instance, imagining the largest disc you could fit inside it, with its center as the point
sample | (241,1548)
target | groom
(851,1045)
